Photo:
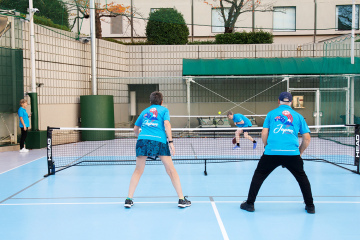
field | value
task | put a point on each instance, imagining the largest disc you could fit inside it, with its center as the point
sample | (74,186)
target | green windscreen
(357,100)
(11,79)
(339,93)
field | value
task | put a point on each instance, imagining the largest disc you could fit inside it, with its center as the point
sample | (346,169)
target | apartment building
(291,21)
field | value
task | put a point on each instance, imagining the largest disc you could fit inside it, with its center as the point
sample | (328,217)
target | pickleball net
(69,147)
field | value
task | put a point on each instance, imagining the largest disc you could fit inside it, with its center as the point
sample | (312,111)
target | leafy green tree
(166,26)
(55,10)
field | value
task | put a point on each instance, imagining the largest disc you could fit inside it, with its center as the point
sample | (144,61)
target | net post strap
(49,156)
(357,148)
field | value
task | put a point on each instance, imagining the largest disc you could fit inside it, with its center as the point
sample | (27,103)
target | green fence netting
(357,100)
(11,79)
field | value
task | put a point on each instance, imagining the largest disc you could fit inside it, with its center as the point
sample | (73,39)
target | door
(140,93)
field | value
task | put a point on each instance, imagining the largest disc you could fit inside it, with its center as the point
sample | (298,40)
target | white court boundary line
(22,165)
(212,202)
(218,218)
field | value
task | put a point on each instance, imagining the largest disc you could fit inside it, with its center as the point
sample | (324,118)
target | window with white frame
(344,17)
(117,25)
(284,19)
(217,21)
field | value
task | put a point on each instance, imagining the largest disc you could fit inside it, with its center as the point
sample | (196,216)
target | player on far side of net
(155,126)
(241,121)
(280,138)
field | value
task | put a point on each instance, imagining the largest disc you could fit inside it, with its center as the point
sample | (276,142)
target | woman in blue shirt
(24,124)
(154,139)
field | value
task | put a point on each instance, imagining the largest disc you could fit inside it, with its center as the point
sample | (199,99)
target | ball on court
(219,112)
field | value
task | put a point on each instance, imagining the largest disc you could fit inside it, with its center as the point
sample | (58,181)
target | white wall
(326,19)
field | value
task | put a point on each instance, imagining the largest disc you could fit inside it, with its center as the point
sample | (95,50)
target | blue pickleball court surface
(86,202)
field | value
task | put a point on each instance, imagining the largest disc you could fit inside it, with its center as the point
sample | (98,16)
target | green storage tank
(97,111)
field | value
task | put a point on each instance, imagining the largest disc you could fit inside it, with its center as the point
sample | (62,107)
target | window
(154,9)
(217,21)
(117,25)
(344,17)
(284,19)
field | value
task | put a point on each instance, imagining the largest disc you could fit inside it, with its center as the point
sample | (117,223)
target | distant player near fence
(241,121)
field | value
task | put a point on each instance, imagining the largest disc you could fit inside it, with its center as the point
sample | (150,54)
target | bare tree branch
(236,8)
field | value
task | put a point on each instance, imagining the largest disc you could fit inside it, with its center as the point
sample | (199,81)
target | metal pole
(352,100)
(315,19)
(287,84)
(12,29)
(32,47)
(192,20)
(253,16)
(317,107)
(93,47)
(353,32)
(132,22)
(78,22)
(188,80)
(347,113)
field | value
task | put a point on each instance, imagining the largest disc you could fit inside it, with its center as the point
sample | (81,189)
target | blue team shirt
(151,122)
(239,117)
(22,113)
(284,124)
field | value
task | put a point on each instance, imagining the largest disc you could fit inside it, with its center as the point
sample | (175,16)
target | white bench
(213,122)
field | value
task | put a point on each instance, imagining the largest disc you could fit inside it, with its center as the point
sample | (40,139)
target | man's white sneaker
(24,150)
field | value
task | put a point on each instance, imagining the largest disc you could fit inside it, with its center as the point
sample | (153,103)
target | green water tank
(97,111)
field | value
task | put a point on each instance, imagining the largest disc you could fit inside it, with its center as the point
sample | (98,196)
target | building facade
(290,21)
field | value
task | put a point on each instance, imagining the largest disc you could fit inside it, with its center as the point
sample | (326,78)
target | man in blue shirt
(154,139)
(280,137)
(241,121)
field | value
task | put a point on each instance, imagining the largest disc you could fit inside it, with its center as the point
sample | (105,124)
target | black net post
(357,148)
(205,171)
(49,156)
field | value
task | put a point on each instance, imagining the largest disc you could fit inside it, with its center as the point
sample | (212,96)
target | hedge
(48,22)
(166,26)
(244,38)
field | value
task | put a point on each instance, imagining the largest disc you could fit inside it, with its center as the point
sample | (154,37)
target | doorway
(139,98)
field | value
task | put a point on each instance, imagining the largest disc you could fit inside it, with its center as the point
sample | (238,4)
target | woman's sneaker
(24,150)
(128,203)
(236,147)
(183,203)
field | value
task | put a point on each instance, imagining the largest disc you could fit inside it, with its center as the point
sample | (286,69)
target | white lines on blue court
(174,202)
(349,202)
(218,218)
(21,165)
